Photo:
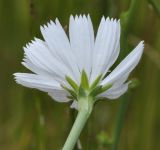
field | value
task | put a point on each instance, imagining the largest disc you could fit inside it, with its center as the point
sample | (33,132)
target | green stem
(119,122)
(89,132)
(131,13)
(127,21)
(85,109)
(40,126)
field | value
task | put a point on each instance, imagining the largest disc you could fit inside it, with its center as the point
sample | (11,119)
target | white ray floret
(58,56)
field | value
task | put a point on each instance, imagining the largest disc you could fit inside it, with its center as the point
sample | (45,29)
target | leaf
(84,80)
(106,87)
(81,92)
(96,81)
(100,89)
(95,91)
(72,83)
(72,93)
(134,83)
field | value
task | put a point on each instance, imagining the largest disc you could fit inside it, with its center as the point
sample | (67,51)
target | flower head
(67,68)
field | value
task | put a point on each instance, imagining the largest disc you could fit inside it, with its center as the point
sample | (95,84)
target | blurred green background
(31,120)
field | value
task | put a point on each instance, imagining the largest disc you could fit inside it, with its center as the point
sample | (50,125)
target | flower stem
(127,22)
(120,121)
(85,108)
(40,127)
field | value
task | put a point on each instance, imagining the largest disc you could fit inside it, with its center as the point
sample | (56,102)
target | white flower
(59,60)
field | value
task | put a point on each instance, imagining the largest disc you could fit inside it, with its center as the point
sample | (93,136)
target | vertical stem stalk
(126,24)
(76,130)
(85,109)
(119,122)
(40,127)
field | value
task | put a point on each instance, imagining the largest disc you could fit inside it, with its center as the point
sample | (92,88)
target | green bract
(85,89)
